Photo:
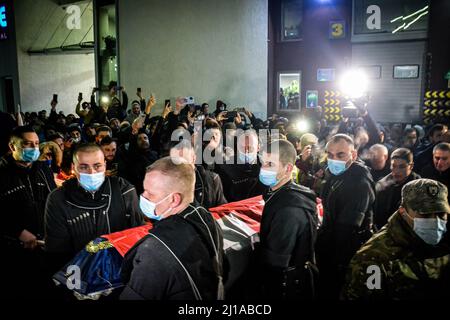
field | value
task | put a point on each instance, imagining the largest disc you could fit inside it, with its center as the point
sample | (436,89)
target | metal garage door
(392,100)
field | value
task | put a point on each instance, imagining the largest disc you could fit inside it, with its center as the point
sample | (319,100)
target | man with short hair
(25,185)
(102,132)
(407,257)
(410,139)
(348,196)
(88,206)
(135,111)
(378,162)
(208,186)
(240,179)
(288,226)
(424,155)
(182,257)
(109,148)
(132,163)
(388,189)
(439,170)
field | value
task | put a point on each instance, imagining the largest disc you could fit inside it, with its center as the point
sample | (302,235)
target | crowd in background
(357,167)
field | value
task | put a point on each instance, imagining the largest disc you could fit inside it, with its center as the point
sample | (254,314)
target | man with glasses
(88,206)
(388,189)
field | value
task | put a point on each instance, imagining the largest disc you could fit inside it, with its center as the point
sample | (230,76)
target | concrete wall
(41,24)
(208,49)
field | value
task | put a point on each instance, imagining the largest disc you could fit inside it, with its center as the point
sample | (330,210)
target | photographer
(310,172)
(357,109)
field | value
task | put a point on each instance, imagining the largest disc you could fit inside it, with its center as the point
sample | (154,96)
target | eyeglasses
(85,168)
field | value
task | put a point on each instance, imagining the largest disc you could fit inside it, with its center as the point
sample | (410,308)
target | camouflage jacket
(406,267)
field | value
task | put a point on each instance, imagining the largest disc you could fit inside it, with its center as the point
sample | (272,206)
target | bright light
(105,99)
(302,125)
(354,83)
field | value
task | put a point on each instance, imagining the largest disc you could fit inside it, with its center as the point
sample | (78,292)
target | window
(289,93)
(291,20)
(372,72)
(107,42)
(406,72)
(325,74)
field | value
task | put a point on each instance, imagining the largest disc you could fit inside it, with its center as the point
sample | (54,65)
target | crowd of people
(68,179)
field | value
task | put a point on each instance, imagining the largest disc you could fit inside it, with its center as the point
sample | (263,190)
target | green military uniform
(409,268)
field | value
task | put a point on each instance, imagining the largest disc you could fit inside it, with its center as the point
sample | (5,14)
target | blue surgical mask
(337,167)
(268,177)
(30,154)
(92,182)
(247,157)
(148,208)
(430,230)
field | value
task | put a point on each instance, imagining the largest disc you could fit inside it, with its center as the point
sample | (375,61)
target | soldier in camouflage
(410,257)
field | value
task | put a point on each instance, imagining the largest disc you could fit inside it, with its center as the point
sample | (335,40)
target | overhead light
(354,83)
(302,126)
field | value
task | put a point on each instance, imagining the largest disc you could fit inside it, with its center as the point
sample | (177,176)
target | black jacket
(285,226)
(74,216)
(388,198)
(240,181)
(23,192)
(424,158)
(430,172)
(179,248)
(377,175)
(118,109)
(132,164)
(348,211)
(208,188)
(288,232)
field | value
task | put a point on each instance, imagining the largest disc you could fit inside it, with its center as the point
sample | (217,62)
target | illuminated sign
(324,75)
(337,29)
(3,22)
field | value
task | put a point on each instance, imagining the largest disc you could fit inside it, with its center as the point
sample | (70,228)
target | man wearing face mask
(208,186)
(88,206)
(25,185)
(348,196)
(240,178)
(182,257)
(409,252)
(288,226)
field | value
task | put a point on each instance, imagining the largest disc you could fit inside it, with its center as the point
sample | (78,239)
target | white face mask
(429,230)
(148,207)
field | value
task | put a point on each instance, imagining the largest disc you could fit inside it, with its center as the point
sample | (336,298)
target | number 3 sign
(337,29)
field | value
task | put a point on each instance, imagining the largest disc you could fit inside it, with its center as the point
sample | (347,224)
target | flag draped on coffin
(101,261)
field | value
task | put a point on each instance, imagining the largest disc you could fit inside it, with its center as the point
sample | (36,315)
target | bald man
(378,162)
(181,258)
